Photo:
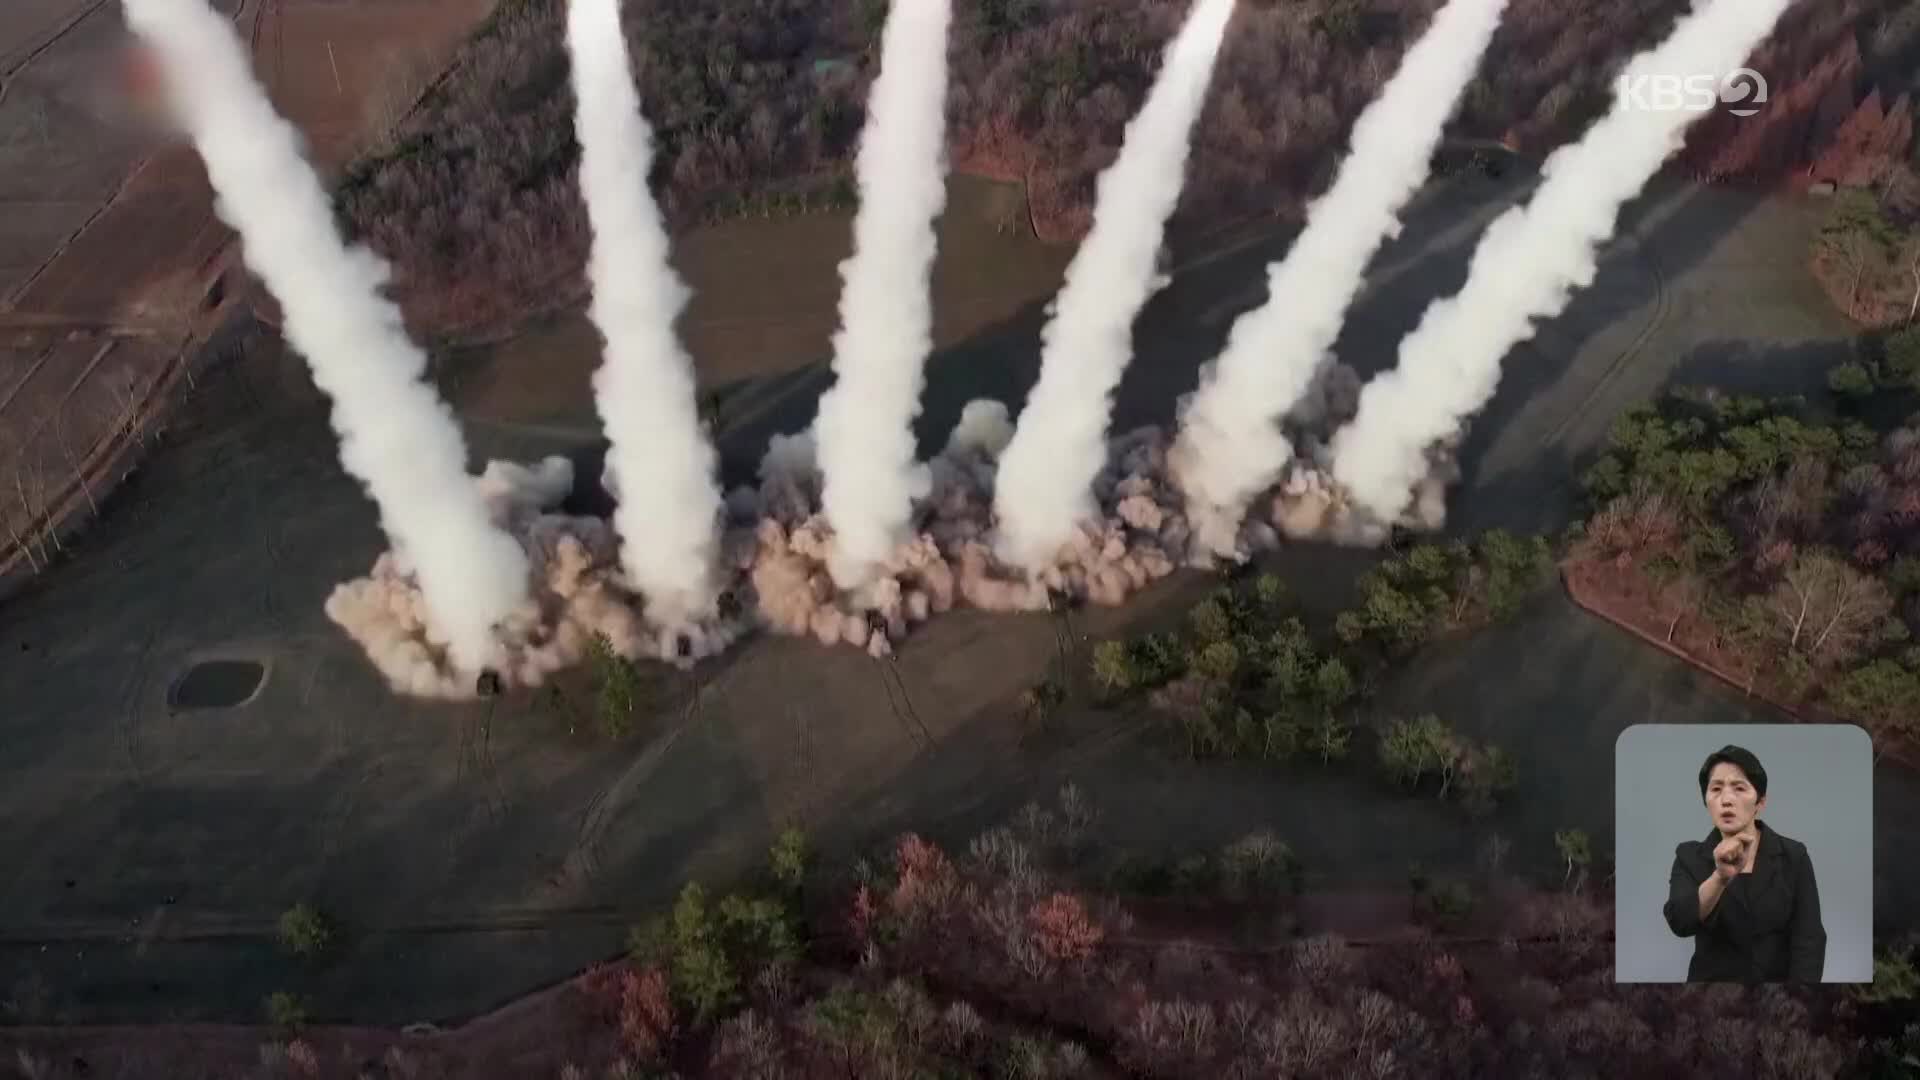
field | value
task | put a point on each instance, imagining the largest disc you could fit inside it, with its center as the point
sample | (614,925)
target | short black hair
(1740,756)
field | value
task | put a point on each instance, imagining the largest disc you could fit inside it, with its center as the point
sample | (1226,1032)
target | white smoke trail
(1230,447)
(1060,445)
(396,435)
(864,431)
(1528,263)
(669,520)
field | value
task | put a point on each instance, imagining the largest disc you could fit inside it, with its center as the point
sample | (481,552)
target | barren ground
(475,855)
(108,241)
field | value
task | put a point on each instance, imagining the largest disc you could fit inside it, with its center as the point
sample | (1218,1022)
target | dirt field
(107,234)
(65,390)
(347,71)
(475,855)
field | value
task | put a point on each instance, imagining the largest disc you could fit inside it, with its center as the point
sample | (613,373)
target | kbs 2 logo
(1742,90)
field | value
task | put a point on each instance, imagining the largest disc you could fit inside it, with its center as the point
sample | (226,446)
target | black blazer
(1766,927)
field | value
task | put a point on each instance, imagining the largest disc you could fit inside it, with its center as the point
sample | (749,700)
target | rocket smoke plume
(1060,445)
(396,435)
(1527,265)
(669,522)
(1231,447)
(864,431)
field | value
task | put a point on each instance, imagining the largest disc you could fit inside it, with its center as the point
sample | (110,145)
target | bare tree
(1910,258)
(76,462)
(128,412)
(1680,595)
(1858,238)
(19,517)
(31,489)
(1825,609)
(1640,524)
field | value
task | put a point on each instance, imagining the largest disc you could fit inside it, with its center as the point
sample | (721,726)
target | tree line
(757,107)
(994,959)
(1245,677)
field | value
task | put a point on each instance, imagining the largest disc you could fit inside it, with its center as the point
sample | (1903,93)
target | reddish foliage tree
(646,1014)
(1780,137)
(637,1003)
(1896,133)
(1855,157)
(925,883)
(860,920)
(1063,929)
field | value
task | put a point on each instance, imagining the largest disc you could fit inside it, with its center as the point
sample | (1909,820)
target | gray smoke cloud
(1060,443)
(864,430)
(579,594)
(397,437)
(669,522)
(1528,264)
(777,546)
(1231,447)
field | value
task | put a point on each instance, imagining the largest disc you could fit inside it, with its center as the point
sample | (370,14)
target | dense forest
(1022,957)
(1776,540)
(758,106)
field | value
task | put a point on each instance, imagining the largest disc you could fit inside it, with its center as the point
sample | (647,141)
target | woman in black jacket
(1745,894)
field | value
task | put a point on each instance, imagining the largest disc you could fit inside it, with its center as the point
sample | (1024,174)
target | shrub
(305,932)
(1210,621)
(1269,591)
(789,857)
(1042,700)
(1576,850)
(1195,875)
(1894,980)
(705,981)
(1850,380)
(1164,1033)
(1258,866)
(1280,737)
(1411,749)
(1219,661)
(1449,900)
(1158,659)
(748,1046)
(704,978)
(1322,959)
(1485,774)
(286,1011)
(1331,738)
(1114,667)
(618,698)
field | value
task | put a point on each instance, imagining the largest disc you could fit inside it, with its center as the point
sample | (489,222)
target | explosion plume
(397,437)
(1060,444)
(864,430)
(1230,446)
(1528,264)
(669,520)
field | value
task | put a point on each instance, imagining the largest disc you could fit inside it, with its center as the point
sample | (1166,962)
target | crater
(217,684)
